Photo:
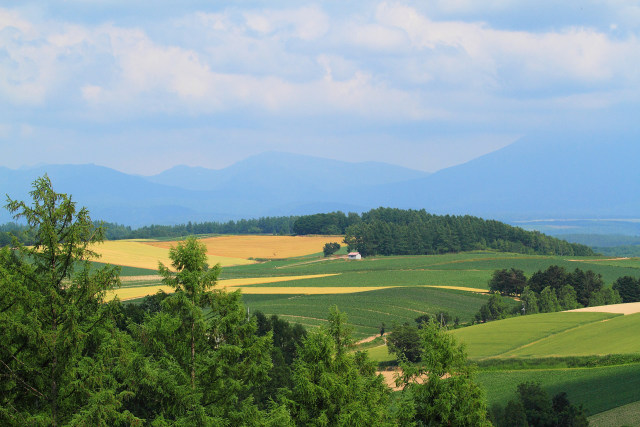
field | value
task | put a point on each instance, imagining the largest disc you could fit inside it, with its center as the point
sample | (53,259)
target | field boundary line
(573,328)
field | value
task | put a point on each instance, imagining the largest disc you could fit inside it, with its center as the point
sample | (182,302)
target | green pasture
(598,389)
(471,269)
(402,278)
(380,354)
(504,337)
(366,311)
(626,415)
(617,335)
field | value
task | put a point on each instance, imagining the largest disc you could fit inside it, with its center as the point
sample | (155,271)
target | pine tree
(59,345)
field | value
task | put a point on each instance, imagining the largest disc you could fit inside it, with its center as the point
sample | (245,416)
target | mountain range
(538,176)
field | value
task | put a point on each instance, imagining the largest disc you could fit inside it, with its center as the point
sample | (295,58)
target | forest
(388,231)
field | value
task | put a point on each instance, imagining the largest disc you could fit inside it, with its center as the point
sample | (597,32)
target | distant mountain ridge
(268,184)
(540,176)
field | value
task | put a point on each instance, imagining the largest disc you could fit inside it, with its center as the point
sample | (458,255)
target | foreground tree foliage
(532,407)
(60,352)
(333,386)
(201,360)
(440,390)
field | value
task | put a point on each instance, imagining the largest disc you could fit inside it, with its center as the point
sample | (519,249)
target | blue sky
(141,86)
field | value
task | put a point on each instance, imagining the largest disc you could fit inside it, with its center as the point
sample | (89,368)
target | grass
(626,415)
(366,311)
(471,269)
(597,389)
(616,335)
(301,290)
(506,337)
(380,354)
(394,278)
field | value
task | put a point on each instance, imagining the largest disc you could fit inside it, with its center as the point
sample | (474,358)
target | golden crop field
(308,290)
(136,253)
(245,286)
(247,281)
(260,246)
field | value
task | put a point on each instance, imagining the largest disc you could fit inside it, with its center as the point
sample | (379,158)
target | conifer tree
(59,345)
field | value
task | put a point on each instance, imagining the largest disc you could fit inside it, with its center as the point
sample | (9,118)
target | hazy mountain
(287,172)
(542,176)
(267,184)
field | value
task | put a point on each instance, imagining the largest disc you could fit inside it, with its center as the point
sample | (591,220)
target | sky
(141,86)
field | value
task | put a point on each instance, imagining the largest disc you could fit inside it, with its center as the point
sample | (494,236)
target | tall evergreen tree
(59,346)
(333,386)
(440,390)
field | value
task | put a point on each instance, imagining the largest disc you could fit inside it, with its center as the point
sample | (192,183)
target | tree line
(553,289)
(281,225)
(71,356)
(390,231)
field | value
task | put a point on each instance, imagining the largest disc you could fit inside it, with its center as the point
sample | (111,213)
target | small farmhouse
(354,255)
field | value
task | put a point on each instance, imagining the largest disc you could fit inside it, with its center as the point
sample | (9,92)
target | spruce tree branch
(24,383)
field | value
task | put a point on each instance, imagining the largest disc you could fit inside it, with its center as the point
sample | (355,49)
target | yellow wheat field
(135,253)
(260,246)
(231,284)
(309,290)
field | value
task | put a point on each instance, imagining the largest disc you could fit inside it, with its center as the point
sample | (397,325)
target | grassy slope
(626,415)
(367,310)
(618,335)
(597,389)
(501,337)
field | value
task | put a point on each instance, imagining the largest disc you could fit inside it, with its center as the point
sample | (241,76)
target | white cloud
(306,23)
(530,60)
(390,61)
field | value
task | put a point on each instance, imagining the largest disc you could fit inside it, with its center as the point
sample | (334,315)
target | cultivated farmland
(300,285)
(140,254)
(265,247)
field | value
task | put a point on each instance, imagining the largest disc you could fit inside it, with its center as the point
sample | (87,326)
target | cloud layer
(368,66)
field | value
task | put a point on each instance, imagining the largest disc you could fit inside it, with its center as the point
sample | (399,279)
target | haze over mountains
(543,176)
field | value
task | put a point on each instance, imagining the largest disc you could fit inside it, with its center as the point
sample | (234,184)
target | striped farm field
(140,254)
(133,292)
(553,334)
(598,388)
(618,335)
(366,311)
(137,292)
(626,415)
(302,290)
(267,247)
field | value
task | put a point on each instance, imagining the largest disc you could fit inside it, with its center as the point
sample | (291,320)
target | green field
(366,311)
(506,337)
(504,343)
(626,415)
(597,389)
(472,269)
(553,335)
